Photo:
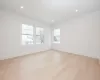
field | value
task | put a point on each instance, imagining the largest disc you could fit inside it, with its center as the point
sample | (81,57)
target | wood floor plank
(50,65)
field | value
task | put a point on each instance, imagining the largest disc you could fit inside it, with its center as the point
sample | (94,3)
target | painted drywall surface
(81,35)
(10,36)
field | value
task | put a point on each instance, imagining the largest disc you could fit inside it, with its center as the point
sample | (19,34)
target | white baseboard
(81,54)
(20,54)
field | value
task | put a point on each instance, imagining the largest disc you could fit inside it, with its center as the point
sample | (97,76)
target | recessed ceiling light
(76,10)
(21,7)
(52,20)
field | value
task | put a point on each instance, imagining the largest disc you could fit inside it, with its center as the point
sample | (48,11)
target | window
(27,34)
(56,38)
(39,35)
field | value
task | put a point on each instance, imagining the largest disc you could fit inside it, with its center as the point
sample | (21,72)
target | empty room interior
(49,39)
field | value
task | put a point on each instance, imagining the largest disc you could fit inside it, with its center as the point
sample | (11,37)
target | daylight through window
(56,35)
(39,35)
(27,34)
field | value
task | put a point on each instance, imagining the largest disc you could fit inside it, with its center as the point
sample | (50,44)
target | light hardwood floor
(50,65)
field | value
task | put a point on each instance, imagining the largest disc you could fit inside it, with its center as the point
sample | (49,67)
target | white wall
(10,36)
(81,35)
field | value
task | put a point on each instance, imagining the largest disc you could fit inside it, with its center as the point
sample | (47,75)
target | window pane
(56,32)
(27,29)
(27,34)
(56,35)
(27,39)
(39,31)
(39,35)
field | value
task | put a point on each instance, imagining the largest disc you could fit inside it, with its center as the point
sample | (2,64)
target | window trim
(53,37)
(39,35)
(27,34)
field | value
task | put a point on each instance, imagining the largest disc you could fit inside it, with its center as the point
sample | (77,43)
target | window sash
(56,36)
(39,35)
(27,34)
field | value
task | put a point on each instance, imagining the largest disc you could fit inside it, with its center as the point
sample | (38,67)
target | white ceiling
(48,10)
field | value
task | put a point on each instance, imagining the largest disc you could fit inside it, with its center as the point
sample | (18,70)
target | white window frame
(39,35)
(27,34)
(54,36)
